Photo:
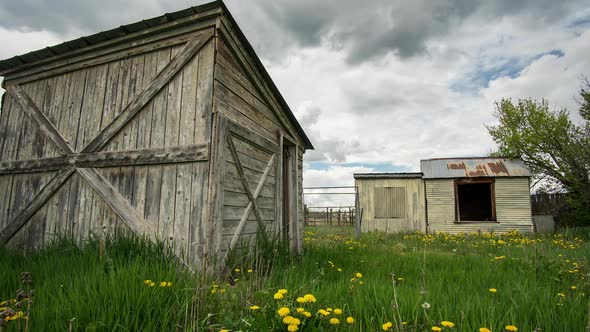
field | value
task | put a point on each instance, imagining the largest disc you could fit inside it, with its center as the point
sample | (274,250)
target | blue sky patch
(511,67)
(377,167)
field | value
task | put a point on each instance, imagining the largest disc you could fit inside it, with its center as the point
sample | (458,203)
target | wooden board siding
(513,209)
(414,219)
(253,164)
(162,194)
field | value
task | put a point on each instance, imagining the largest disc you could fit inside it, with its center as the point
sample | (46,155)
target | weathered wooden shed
(450,195)
(168,127)
(391,202)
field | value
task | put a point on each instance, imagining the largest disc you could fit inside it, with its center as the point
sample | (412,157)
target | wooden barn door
(89,128)
(250,174)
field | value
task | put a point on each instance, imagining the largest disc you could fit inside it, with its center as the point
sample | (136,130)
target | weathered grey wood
(279,183)
(241,200)
(235,185)
(214,215)
(201,181)
(184,178)
(244,180)
(158,125)
(170,131)
(148,93)
(144,123)
(251,205)
(167,155)
(4,116)
(149,39)
(228,35)
(237,213)
(252,175)
(116,202)
(242,99)
(23,216)
(39,118)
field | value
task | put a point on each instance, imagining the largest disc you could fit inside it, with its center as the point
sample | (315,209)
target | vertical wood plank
(199,247)
(158,125)
(144,125)
(169,172)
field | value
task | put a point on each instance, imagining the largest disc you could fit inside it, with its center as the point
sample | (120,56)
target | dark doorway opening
(475,201)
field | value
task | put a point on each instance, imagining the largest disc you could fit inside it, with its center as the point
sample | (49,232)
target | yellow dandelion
(282,291)
(290,320)
(436,328)
(254,307)
(561,295)
(339,269)
(292,328)
(284,311)
(334,321)
(511,328)
(484,329)
(237,270)
(168,284)
(163,284)
(309,298)
(386,326)
(493,290)
(152,284)
(147,282)
(358,275)
(223,330)
(499,257)
(278,296)
(446,323)
(306,314)
(323,312)
(573,287)
(299,310)
(350,320)
(337,311)
(329,309)
(250,271)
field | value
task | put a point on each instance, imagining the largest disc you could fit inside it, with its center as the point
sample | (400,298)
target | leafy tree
(556,149)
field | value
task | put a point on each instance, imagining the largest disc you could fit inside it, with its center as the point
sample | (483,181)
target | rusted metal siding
(473,167)
(513,207)
(413,204)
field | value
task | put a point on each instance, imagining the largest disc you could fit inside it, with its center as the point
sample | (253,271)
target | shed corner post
(213,217)
(357,220)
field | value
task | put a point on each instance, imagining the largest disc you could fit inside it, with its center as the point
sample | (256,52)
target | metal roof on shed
(473,167)
(387,175)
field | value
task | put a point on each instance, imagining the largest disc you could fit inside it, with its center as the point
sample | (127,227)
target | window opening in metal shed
(475,200)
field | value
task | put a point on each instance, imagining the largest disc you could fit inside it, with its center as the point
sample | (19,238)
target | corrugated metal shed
(473,167)
(387,175)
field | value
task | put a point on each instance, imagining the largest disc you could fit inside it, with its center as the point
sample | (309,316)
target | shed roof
(388,175)
(473,167)
(30,59)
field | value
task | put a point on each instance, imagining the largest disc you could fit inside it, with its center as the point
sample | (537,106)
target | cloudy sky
(376,84)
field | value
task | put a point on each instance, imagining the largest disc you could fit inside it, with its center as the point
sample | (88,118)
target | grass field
(411,282)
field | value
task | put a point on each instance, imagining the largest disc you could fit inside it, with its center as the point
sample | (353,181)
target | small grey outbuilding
(450,195)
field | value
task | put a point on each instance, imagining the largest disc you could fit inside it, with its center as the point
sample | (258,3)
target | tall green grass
(414,281)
